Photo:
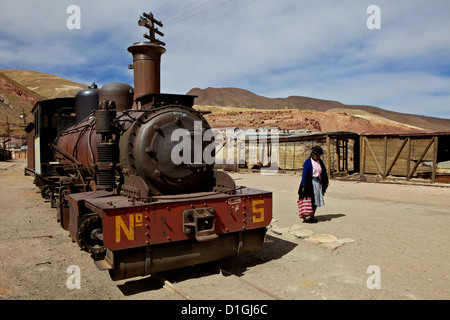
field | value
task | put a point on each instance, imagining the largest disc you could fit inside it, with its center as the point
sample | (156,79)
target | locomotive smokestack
(147,59)
(147,68)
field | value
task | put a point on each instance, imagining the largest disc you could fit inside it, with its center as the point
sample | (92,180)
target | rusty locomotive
(105,160)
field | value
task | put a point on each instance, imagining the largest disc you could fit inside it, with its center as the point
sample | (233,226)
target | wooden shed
(407,155)
(257,149)
(341,151)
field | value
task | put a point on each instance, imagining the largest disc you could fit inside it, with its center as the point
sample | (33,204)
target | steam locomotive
(105,159)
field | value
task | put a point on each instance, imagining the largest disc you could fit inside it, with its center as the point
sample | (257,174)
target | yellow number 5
(257,211)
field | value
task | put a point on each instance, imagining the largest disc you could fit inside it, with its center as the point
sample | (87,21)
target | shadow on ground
(273,249)
(328,217)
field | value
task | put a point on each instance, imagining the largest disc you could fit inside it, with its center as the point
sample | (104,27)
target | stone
(331,245)
(307,240)
(323,238)
(346,240)
(303,233)
(295,228)
(281,230)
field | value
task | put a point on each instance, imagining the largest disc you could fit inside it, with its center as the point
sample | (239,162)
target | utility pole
(147,20)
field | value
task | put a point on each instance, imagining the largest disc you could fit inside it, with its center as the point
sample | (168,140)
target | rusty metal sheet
(127,226)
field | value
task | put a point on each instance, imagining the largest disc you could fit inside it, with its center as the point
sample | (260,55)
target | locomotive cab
(51,117)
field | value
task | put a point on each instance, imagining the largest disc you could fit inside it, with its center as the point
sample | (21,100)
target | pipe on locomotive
(147,69)
(147,60)
(147,74)
(96,146)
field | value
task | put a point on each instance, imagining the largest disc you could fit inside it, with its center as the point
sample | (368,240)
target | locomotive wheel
(90,236)
(46,192)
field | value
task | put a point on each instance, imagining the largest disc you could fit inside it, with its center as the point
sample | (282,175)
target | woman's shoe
(311,220)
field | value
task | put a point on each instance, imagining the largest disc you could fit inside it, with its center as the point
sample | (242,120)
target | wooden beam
(338,156)
(435,154)
(329,156)
(408,160)
(362,143)
(346,154)
(420,159)
(373,156)
(293,161)
(385,157)
(396,157)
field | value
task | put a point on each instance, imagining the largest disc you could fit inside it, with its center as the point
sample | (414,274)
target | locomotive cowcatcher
(105,160)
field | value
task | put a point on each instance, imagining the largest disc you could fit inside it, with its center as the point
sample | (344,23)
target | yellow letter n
(129,231)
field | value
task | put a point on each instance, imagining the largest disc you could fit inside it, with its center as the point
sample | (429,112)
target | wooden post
(338,155)
(329,156)
(293,160)
(385,158)
(396,157)
(408,160)
(435,154)
(374,156)
(346,155)
(420,159)
(362,167)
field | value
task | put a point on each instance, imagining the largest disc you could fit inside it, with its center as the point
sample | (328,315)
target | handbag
(305,208)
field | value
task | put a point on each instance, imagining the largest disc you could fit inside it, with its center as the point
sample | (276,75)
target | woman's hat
(317,150)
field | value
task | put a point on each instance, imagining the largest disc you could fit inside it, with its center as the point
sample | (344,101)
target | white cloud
(321,49)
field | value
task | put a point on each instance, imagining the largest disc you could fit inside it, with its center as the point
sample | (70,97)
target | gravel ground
(373,241)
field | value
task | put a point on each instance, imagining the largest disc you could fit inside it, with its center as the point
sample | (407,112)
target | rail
(174,289)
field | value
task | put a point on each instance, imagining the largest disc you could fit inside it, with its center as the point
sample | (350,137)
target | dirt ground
(400,232)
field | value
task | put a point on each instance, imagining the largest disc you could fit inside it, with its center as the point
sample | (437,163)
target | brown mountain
(46,85)
(327,116)
(19,91)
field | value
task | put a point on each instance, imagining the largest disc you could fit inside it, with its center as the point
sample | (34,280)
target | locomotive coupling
(201,222)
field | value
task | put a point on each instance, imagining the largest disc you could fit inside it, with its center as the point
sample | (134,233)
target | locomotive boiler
(129,171)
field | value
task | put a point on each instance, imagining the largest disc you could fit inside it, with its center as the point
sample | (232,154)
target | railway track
(226,276)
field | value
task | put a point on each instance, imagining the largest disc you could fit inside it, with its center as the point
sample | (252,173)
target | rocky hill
(46,85)
(19,91)
(298,112)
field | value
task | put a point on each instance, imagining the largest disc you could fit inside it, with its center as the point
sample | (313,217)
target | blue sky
(315,48)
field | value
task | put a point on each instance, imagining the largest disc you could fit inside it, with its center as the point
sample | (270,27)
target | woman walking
(314,182)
